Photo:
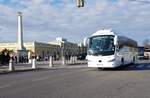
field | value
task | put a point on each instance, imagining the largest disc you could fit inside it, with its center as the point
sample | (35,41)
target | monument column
(20,32)
(21,51)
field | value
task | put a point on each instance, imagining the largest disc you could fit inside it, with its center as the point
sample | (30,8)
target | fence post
(51,61)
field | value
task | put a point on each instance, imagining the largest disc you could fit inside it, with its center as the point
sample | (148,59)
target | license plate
(99,64)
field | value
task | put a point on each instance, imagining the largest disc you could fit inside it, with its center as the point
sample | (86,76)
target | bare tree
(146,43)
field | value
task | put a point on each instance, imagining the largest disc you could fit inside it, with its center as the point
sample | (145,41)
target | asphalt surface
(132,81)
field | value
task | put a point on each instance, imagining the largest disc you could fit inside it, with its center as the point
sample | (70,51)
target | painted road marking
(61,74)
(69,73)
(5,86)
(40,79)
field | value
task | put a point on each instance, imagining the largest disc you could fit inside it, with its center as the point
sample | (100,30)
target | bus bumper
(103,65)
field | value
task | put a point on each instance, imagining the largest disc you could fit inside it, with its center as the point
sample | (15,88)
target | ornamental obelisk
(21,51)
(20,33)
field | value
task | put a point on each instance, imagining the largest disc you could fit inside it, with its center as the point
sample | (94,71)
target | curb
(26,70)
(21,70)
(6,71)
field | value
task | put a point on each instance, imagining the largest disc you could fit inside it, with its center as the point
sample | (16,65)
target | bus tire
(133,60)
(122,61)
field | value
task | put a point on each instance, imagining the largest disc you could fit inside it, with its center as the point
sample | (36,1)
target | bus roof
(104,32)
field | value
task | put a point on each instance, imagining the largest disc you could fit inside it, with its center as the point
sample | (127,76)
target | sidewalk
(18,68)
(21,67)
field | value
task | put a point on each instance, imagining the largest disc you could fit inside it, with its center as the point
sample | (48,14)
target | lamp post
(80,3)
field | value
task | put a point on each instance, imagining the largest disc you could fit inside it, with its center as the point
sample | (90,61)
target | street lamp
(80,3)
(62,50)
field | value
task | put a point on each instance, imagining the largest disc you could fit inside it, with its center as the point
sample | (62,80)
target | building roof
(59,41)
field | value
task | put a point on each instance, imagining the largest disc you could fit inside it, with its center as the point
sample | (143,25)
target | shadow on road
(129,67)
(137,67)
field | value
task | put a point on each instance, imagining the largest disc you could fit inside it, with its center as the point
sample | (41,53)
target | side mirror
(85,41)
(115,40)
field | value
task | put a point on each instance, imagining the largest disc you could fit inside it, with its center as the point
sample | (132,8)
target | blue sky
(44,20)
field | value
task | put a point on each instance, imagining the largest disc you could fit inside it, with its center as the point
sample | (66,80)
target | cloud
(46,19)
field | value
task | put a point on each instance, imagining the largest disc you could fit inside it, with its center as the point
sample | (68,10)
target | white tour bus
(107,50)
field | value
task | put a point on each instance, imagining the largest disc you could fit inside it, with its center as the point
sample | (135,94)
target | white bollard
(63,60)
(34,63)
(11,67)
(30,61)
(71,60)
(75,59)
(51,61)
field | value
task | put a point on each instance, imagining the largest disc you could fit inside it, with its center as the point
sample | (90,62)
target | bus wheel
(133,60)
(122,61)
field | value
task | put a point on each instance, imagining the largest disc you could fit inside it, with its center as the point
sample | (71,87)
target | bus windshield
(101,45)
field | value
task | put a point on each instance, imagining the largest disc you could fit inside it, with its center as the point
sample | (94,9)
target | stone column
(20,32)
(20,49)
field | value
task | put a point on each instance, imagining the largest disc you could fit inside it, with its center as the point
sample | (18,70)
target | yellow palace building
(55,48)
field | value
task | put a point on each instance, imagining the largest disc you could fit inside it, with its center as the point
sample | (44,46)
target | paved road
(78,82)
